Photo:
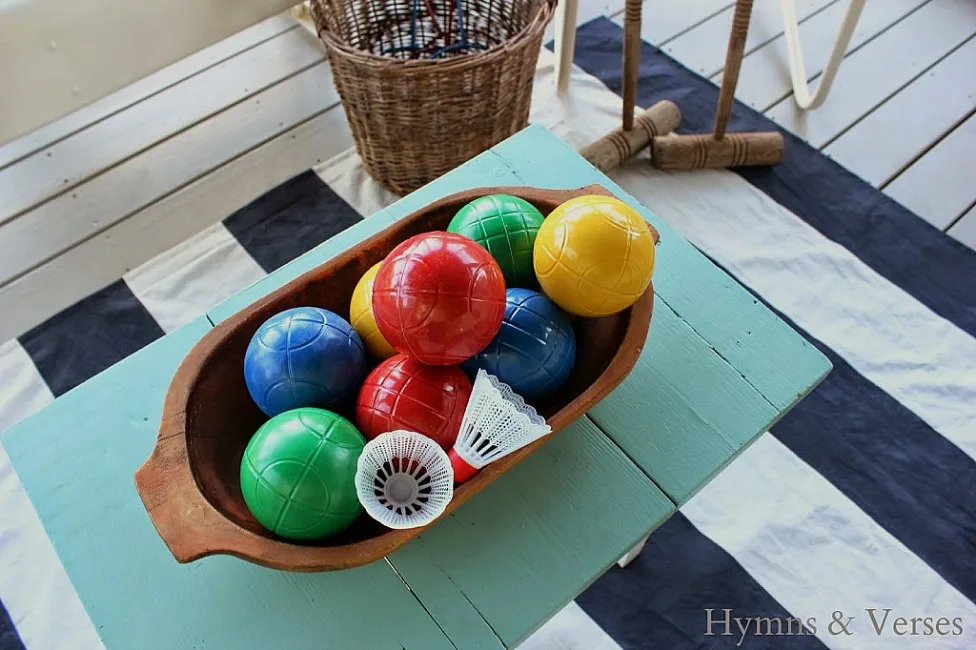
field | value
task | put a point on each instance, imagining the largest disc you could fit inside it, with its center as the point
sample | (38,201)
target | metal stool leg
(801,91)
(565,42)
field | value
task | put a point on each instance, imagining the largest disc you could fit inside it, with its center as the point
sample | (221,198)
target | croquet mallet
(721,149)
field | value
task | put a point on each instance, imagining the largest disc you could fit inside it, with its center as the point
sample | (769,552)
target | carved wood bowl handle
(184,519)
(188,524)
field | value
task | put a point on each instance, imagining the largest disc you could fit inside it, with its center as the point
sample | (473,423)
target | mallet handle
(632,45)
(733,61)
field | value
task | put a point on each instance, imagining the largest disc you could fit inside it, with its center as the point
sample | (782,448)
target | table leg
(565,42)
(632,554)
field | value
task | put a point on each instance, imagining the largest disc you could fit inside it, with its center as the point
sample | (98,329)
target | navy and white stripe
(8,635)
(659,599)
(907,465)
(294,218)
(880,505)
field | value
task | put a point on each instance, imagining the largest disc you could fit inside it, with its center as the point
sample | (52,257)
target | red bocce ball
(401,393)
(439,298)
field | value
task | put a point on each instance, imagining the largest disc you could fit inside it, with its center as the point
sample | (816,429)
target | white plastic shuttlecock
(404,479)
(496,422)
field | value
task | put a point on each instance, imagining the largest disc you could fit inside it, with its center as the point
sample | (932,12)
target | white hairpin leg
(565,42)
(801,91)
(632,554)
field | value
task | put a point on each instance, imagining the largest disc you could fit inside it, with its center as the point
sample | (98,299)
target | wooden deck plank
(965,229)
(703,48)
(664,20)
(106,538)
(143,88)
(765,76)
(586,11)
(879,69)
(670,18)
(56,60)
(66,164)
(941,185)
(168,221)
(63,222)
(892,136)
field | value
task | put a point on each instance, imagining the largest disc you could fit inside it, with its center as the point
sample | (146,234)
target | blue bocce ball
(305,356)
(535,348)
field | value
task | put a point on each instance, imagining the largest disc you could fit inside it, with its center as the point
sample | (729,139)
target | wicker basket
(424,91)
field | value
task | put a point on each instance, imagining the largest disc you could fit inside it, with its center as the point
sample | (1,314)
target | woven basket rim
(362,57)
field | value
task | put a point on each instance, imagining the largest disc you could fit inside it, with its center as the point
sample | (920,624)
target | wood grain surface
(938,188)
(879,147)
(701,151)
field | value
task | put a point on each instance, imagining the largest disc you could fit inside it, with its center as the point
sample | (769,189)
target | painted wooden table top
(718,369)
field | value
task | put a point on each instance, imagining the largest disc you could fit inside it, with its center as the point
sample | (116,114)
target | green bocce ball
(506,226)
(298,474)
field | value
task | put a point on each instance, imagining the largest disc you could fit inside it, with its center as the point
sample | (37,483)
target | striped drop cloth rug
(863,497)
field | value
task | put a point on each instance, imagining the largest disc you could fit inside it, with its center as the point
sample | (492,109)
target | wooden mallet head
(610,151)
(706,151)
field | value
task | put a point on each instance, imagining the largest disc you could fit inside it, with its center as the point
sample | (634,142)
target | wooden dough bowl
(190,484)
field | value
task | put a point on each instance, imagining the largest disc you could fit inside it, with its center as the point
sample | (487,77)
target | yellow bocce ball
(594,255)
(362,319)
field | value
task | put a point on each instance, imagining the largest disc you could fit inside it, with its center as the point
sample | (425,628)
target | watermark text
(878,621)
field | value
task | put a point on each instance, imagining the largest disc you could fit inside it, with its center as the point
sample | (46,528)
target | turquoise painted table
(717,371)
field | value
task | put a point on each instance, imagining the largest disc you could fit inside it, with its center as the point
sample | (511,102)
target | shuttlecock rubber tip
(462,470)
